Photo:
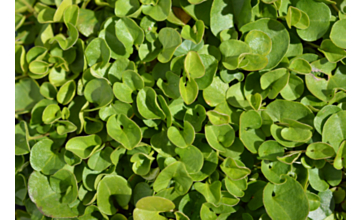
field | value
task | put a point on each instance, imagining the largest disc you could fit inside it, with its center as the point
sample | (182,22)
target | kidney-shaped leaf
(195,34)
(176,172)
(124,130)
(170,40)
(211,192)
(98,92)
(131,81)
(338,33)
(44,158)
(280,204)
(84,146)
(219,137)
(334,131)
(318,151)
(113,191)
(147,104)
(48,200)
(193,65)
(182,138)
(234,169)
(279,37)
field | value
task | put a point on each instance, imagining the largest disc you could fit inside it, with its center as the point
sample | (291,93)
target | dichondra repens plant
(180,109)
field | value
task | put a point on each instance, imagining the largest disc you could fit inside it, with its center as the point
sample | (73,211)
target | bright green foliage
(180,109)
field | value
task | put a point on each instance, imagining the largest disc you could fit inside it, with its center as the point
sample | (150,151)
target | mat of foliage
(182,109)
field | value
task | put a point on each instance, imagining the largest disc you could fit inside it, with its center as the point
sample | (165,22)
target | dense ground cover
(182,109)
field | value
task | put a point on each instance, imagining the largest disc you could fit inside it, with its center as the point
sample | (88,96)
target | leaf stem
(20,77)
(312,44)
(85,3)
(336,8)
(222,159)
(38,137)
(29,6)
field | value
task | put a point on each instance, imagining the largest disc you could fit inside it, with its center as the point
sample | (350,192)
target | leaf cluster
(180,109)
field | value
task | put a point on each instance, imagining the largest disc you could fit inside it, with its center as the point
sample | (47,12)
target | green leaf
(297,18)
(235,96)
(259,42)
(334,130)
(129,33)
(141,163)
(281,109)
(182,138)
(195,116)
(126,8)
(323,115)
(20,189)
(195,34)
(211,192)
(20,61)
(236,187)
(219,137)
(113,190)
(159,11)
(331,51)
(250,133)
(226,13)
(231,51)
(326,208)
(66,92)
(97,52)
(340,159)
(27,94)
(234,169)
(215,93)
(281,205)
(48,90)
(84,146)
(124,130)
(49,201)
(338,33)
(151,206)
(274,81)
(170,40)
(147,104)
(98,92)
(176,172)
(66,43)
(318,151)
(293,89)
(51,114)
(192,158)
(63,181)
(188,89)
(296,131)
(319,14)
(21,139)
(46,158)
(64,127)
(270,150)
(300,65)
(170,85)
(39,67)
(314,201)
(193,65)
(289,158)
(273,170)
(253,62)
(100,160)
(217,118)
(279,37)
(131,81)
